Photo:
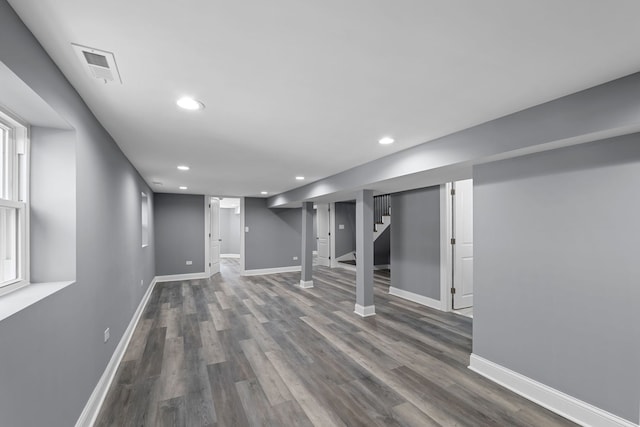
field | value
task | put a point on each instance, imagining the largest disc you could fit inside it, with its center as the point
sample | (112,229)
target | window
(13,204)
(145,220)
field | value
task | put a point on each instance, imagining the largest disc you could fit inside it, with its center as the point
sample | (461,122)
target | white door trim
(446,255)
(242,234)
(207,230)
(332,237)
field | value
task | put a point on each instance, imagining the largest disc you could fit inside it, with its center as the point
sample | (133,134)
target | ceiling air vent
(100,64)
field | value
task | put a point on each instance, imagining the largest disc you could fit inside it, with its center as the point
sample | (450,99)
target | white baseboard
(306,284)
(567,406)
(382,267)
(367,311)
(420,299)
(178,277)
(92,408)
(261,271)
(229,255)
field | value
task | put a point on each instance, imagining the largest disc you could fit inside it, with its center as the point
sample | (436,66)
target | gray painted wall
(382,248)
(345,240)
(53,205)
(53,352)
(179,233)
(274,237)
(415,241)
(229,231)
(556,270)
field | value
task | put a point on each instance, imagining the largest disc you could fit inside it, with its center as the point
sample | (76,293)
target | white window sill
(22,298)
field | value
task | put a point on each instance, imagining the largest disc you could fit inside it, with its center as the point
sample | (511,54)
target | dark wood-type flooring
(260,351)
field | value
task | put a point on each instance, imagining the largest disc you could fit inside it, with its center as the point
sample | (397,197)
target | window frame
(18,134)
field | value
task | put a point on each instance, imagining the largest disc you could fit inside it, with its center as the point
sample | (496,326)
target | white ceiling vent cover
(100,64)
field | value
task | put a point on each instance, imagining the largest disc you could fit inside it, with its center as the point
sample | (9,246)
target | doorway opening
(224,230)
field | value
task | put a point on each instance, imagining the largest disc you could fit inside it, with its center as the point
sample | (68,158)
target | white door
(463,247)
(214,239)
(322,218)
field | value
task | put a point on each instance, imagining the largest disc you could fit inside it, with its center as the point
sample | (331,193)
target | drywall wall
(57,353)
(52,205)
(556,292)
(179,233)
(274,237)
(415,241)
(229,231)
(382,248)
(345,240)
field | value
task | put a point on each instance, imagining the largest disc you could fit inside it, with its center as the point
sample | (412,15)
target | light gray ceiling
(307,88)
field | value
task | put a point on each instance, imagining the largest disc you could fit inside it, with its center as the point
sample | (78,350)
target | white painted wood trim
(382,267)
(92,408)
(314,252)
(349,256)
(306,284)
(261,271)
(207,231)
(242,233)
(187,276)
(236,256)
(332,237)
(446,259)
(567,406)
(411,296)
(367,311)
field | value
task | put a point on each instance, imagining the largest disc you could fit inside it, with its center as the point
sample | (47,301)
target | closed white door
(322,218)
(463,246)
(215,236)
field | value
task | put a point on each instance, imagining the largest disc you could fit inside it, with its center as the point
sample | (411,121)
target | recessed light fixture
(189,103)
(183,187)
(183,168)
(300,178)
(386,140)
(264,192)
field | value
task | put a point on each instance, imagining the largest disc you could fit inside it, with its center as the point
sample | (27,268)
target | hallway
(236,351)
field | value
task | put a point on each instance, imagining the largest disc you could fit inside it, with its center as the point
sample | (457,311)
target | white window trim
(20,171)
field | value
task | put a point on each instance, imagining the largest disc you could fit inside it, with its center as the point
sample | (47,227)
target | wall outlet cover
(189,262)
(107,334)
(295,258)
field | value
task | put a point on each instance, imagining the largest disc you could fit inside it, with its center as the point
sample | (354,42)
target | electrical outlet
(295,258)
(246,229)
(106,335)
(341,227)
(189,262)
(141,282)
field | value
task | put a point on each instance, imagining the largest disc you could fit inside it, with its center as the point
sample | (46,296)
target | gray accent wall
(274,237)
(415,241)
(229,231)
(556,294)
(53,353)
(382,248)
(180,233)
(345,240)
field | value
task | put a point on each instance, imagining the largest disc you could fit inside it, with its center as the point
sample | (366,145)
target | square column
(364,254)
(307,245)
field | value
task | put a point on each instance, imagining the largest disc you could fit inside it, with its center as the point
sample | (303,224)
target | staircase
(381,214)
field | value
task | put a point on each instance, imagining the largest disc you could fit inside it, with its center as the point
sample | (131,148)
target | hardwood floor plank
(244,351)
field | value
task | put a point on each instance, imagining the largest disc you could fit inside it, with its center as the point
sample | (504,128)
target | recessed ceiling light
(183,168)
(386,140)
(183,187)
(264,192)
(300,178)
(189,104)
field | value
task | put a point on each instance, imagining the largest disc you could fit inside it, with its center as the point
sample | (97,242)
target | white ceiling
(307,88)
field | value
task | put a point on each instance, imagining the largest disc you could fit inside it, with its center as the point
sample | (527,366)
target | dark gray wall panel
(382,248)
(274,237)
(229,231)
(179,233)
(345,240)
(415,241)
(556,270)
(56,353)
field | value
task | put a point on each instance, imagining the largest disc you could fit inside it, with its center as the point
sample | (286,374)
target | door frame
(207,234)
(446,249)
